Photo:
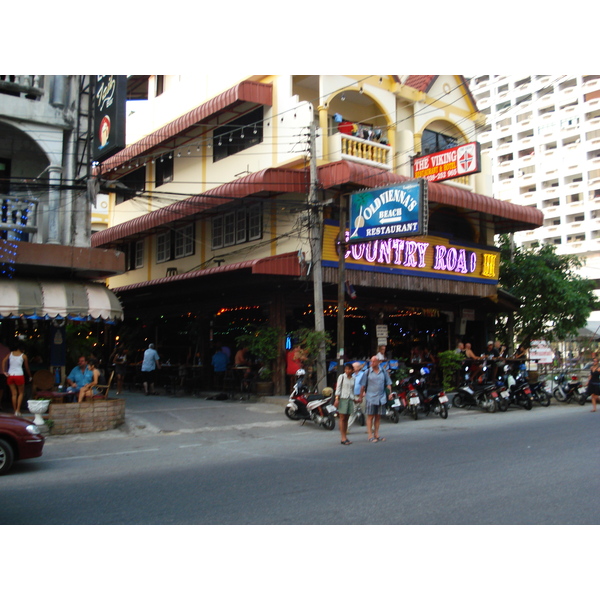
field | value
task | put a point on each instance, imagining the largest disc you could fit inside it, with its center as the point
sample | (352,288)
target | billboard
(396,211)
(109,101)
(448,164)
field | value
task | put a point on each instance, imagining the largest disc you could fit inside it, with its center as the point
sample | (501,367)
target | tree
(555,301)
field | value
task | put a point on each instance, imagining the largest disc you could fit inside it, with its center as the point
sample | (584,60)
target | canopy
(48,299)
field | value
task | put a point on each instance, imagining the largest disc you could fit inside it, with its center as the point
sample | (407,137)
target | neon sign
(424,254)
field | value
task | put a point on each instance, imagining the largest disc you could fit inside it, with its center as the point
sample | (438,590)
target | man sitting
(79,376)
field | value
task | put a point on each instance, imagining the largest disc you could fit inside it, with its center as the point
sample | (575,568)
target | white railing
(30,85)
(18,217)
(353,148)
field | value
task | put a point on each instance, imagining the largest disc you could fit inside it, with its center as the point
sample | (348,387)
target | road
(519,467)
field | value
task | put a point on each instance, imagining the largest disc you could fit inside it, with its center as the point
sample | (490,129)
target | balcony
(367,152)
(18,218)
(28,86)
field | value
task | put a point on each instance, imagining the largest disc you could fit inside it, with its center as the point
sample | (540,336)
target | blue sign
(389,212)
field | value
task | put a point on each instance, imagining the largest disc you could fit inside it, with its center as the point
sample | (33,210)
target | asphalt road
(247,464)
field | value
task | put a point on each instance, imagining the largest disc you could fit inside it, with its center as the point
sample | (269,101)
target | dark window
(160,84)
(164,169)
(237,226)
(134,255)
(177,243)
(135,182)
(4,176)
(244,132)
(432,141)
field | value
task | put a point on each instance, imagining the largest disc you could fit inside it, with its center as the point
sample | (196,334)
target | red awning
(245,92)
(284,264)
(279,181)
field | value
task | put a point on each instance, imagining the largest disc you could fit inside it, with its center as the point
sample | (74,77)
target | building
(48,271)
(226,205)
(542,137)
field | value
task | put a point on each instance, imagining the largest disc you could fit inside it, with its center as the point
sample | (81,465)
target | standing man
(374,384)
(149,366)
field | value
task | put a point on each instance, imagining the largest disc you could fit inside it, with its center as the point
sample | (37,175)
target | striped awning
(48,299)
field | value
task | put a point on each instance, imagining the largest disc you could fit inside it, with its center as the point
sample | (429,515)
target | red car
(19,439)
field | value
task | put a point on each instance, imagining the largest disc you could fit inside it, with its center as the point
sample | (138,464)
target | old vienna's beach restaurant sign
(387,234)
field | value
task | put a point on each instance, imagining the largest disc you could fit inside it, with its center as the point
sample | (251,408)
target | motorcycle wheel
(443,411)
(503,404)
(459,400)
(415,413)
(544,398)
(526,403)
(394,417)
(558,395)
(291,414)
(580,398)
(329,423)
(492,405)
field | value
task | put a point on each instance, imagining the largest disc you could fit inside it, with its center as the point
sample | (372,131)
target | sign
(109,101)
(541,351)
(425,256)
(448,164)
(382,331)
(389,212)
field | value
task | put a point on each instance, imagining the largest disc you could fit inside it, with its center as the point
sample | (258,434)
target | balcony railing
(30,86)
(356,149)
(18,218)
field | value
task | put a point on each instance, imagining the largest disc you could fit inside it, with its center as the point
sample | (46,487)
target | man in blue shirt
(79,376)
(149,366)
(220,360)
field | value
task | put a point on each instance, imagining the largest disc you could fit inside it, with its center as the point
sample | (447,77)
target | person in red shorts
(14,366)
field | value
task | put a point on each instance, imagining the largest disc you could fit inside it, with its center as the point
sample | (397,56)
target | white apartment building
(542,137)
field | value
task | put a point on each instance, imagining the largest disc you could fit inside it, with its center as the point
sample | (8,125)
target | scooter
(482,396)
(519,392)
(567,391)
(303,406)
(433,400)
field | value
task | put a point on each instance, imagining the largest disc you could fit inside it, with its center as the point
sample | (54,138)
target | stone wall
(99,415)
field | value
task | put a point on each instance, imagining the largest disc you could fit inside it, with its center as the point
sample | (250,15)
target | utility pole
(316,228)
(341,287)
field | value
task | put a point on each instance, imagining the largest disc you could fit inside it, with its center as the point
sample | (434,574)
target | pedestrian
(219,362)
(594,382)
(87,391)
(15,365)
(150,364)
(79,376)
(119,361)
(344,400)
(375,381)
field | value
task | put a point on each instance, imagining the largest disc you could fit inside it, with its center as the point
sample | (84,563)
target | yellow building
(211,202)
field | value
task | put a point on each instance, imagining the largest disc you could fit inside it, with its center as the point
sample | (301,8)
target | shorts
(15,380)
(346,406)
(148,376)
(375,409)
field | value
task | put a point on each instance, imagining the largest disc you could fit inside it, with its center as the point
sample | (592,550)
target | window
(175,244)
(243,132)
(432,141)
(237,226)
(135,182)
(134,255)
(164,169)
(160,84)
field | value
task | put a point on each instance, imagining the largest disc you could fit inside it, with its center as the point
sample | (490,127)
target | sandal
(346,443)
(379,439)
(374,440)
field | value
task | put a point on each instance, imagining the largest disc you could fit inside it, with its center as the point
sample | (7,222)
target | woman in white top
(344,400)
(14,366)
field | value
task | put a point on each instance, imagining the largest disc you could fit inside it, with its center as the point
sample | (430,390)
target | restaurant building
(216,201)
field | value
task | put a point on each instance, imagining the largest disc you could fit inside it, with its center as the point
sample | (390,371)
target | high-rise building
(543,139)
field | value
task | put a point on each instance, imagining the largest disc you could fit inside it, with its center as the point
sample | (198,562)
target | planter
(38,408)
(264,388)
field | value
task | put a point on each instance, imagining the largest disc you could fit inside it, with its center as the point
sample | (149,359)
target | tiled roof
(420,82)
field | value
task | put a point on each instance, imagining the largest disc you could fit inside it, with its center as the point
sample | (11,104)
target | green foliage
(555,301)
(263,342)
(80,341)
(449,362)
(311,341)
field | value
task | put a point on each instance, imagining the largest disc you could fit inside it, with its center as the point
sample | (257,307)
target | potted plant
(263,342)
(449,362)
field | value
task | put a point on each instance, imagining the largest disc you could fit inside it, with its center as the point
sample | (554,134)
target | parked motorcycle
(540,394)
(318,408)
(433,400)
(519,392)
(482,396)
(568,390)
